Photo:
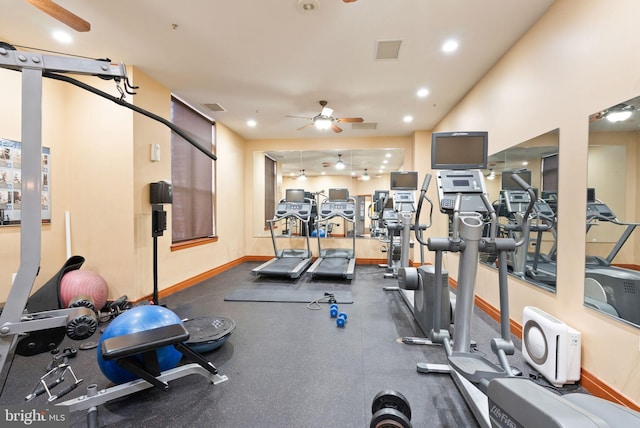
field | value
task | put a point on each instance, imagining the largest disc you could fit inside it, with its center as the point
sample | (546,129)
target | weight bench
(123,349)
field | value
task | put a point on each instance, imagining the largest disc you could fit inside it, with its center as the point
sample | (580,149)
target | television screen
(591,194)
(338,194)
(404,180)
(294,195)
(508,183)
(459,150)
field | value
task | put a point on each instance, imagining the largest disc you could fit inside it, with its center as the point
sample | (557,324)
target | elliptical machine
(497,397)
(432,308)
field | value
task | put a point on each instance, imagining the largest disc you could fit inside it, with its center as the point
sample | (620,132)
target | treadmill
(336,262)
(615,286)
(289,262)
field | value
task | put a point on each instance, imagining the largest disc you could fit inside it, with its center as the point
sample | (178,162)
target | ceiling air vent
(388,49)
(215,107)
(364,125)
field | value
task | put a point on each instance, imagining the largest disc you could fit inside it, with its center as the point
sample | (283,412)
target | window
(269,189)
(192,176)
(550,173)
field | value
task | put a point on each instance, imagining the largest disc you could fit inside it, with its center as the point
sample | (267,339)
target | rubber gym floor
(287,365)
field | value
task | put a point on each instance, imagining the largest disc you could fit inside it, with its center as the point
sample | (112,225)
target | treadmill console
(468,183)
(516,201)
(330,209)
(599,210)
(543,209)
(301,210)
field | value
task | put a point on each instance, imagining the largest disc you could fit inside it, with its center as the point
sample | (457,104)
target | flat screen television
(339,195)
(459,150)
(591,194)
(294,195)
(508,183)
(404,180)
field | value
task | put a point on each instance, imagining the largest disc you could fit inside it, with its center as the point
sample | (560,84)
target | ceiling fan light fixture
(340,164)
(322,123)
(365,176)
(302,175)
(619,113)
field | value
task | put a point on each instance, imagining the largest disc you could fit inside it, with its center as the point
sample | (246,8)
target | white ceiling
(265,59)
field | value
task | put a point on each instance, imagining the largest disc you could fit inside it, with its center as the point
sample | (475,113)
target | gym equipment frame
(34,67)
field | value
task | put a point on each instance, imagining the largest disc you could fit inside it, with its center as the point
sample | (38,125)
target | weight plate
(389,399)
(389,418)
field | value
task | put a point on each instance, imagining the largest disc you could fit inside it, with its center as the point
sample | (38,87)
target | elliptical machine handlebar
(417,227)
(526,220)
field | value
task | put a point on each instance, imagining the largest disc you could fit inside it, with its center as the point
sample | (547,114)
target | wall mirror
(612,266)
(361,171)
(536,160)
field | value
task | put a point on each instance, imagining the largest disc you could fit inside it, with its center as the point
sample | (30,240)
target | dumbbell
(333,310)
(342,319)
(390,408)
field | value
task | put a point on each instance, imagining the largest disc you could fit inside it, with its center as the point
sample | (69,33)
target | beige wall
(574,62)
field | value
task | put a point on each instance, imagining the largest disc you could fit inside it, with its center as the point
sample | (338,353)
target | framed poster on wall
(11,183)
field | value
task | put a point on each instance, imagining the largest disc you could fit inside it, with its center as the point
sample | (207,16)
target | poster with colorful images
(11,183)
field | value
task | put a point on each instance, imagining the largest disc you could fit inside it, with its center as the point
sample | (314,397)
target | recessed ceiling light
(422,92)
(407,119)
(450,46)
(62,36)
(308,6)
(388,155)
(251,123)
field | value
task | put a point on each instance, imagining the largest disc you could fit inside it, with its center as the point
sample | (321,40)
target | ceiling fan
(61,14)
(325,119)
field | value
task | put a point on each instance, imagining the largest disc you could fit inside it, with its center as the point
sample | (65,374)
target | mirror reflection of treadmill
(335,262)
(533,265)
(612,289)
(290,262)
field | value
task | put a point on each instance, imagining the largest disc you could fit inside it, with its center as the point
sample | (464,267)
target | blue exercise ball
(139,318)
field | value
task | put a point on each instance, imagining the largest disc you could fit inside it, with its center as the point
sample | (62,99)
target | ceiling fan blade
(336,128)
(305,126)
(348,1)
(61,14)
(350,119)
(301,117)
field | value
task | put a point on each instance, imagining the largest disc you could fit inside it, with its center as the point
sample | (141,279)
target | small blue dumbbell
(333,310)
(342,319)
